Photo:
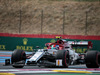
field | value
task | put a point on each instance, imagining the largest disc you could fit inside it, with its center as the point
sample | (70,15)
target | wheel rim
(23,56)
(66,59)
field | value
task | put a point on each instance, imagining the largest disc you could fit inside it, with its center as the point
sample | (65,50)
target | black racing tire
(92,59)
(64,55)
(18,55)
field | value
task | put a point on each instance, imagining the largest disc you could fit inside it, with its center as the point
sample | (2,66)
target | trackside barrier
(28,42)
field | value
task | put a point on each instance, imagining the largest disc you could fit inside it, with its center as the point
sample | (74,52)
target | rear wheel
(64,55)
(92,59)
(17,56)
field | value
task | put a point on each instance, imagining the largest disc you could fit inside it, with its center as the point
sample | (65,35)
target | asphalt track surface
(35,70)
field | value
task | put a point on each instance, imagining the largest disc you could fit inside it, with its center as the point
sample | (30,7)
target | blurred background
(69,17)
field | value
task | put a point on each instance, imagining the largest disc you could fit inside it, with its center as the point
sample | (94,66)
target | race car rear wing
(87,44)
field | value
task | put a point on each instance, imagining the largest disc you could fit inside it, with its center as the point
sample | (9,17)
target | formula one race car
(58,54)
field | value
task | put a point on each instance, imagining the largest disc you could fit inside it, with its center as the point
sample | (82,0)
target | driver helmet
(55,47)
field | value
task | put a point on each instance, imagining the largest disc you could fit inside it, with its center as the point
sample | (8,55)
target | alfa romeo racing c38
(58,54)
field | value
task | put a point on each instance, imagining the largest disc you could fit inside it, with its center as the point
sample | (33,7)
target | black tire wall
(18,55)
(92,59)
(63,54)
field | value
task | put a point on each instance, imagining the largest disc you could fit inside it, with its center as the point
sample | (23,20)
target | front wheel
(18,56)
(64,55)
